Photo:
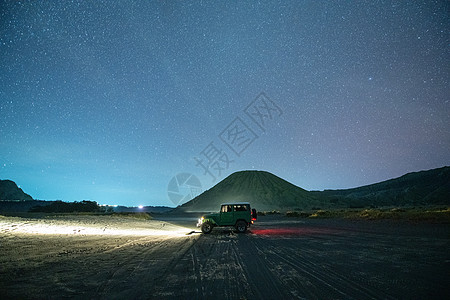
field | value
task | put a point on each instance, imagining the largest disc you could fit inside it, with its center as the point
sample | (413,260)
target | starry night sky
(109,100)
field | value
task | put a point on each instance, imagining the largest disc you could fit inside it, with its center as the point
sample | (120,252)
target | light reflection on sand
(13,225)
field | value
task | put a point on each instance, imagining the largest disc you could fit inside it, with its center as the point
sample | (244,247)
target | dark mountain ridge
(430,187)
(9,191)
(261,188)
(266,191)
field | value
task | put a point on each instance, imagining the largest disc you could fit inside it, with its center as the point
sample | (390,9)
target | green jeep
(239,215)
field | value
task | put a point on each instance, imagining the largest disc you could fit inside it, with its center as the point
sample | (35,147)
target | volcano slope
(264,190)
(267,192)
(278,258)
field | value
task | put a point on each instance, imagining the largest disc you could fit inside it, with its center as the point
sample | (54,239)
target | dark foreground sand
(88,257)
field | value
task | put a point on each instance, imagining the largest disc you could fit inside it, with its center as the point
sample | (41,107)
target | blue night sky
(109,100)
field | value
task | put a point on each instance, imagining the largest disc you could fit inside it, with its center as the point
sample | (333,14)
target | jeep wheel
(206,227)
(241,226)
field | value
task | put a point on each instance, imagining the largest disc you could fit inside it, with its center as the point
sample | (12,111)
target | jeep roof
(234,203)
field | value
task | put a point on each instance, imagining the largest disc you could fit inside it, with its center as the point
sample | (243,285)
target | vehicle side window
(226,208)
(240,207)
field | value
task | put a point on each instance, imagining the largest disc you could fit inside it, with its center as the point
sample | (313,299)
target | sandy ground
(88,257)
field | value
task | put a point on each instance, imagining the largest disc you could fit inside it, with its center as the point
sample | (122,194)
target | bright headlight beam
(67,228)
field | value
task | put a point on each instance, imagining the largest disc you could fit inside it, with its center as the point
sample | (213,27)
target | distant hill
(430,187)
(263,190)
(10,191)
(13,199)
(266,191)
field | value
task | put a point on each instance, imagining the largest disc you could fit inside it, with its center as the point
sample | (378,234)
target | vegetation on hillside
(433,214)
(69,207)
